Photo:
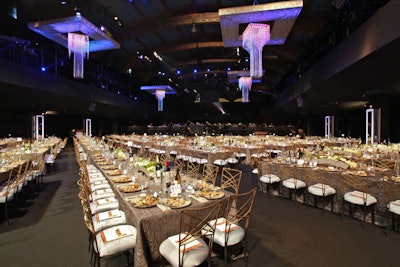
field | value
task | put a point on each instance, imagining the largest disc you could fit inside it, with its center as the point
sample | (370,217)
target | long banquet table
(153,224)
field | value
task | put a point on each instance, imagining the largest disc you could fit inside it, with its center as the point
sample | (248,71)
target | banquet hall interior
(299,98)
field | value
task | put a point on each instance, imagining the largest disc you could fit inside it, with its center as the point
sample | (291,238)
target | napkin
(359,194)
(102,191)
(189,245)
(107,215)
(396,203)
(112,234)
(199,199)
(163,207)
(104,201)
(221,226)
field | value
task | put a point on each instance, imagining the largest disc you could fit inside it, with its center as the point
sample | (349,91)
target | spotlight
(43,69)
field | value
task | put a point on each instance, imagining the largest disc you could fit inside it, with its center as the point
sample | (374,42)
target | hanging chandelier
(255,37)
(77,34)
(245,84)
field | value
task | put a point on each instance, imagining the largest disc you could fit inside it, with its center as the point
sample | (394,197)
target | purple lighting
(57,30)
(64,31)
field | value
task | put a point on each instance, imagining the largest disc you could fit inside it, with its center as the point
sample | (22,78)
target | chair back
(349,182)
(210,172)
(384,164)
(195,223)
(239,208)
(192,169)
(230,178)
(287,172)
(179,164)
(391,191)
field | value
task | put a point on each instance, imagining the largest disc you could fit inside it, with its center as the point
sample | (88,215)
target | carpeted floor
(48,230)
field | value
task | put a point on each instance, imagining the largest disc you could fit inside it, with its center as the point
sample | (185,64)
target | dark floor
(48,230)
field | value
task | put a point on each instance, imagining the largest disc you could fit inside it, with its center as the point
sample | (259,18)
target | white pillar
(329,126)
(88,127)
(372,126)
(39,126)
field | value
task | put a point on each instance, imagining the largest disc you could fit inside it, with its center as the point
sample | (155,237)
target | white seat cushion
(115,240)
(269,178)
(292,183)
(321,190)
(192,257)
(220,162)
(203,161)
(6,196)
(99,185)
(240,155)
(232,160)
(235,234)
(394,206)
(358,198)
(107,219)
(101,193)
(104,204)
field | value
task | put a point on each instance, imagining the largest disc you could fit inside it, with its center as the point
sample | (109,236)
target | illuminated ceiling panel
(281,15)
(57,30)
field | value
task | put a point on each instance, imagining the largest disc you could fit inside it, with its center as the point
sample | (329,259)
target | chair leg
(373,214)
(226,255)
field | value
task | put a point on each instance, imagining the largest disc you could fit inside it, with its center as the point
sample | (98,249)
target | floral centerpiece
(119,154)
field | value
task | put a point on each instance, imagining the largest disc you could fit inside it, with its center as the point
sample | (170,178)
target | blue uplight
(43,69)
(178,72)
(195,71)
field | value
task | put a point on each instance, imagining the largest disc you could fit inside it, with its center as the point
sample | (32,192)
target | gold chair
(109,241)
(392,203)
(267,178)
(188,248)
(231,229)
(288,175)
(192,169)
(230,178)
(179,164)
(319,189)
(355,189)
(384,164)
(209,174)
(7,194)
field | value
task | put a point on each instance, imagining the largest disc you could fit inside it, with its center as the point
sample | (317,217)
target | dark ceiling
(187,35)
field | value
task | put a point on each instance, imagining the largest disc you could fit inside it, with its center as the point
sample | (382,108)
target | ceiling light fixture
(63,31)
(159,91)
(194,29)
(245,84)
(255,36)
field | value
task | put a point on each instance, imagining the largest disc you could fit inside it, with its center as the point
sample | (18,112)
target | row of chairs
(354,191)
(230,178)
(21,180)
(109,233)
